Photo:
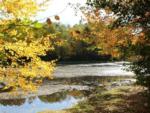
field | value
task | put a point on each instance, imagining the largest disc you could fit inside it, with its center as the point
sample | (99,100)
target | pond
(72,83)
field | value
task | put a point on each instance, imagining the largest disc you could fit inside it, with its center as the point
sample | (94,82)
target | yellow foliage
(20,51)
(23,73)
(20,8)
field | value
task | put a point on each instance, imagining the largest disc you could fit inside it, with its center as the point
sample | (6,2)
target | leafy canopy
(134,13)
(21,46)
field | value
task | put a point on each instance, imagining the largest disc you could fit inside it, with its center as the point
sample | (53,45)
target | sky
(63,10)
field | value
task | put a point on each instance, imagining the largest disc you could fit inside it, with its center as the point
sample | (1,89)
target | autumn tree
(134,13)
(21,45)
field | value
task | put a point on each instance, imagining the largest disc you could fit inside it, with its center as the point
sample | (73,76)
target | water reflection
(87,80)
(56,101)
(59,100)
(79,74)
(11,102)
(56,97)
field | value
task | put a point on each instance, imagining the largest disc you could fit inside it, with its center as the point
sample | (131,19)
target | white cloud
(61,8)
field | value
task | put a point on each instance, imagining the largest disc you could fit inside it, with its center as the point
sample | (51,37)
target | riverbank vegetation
(124,99)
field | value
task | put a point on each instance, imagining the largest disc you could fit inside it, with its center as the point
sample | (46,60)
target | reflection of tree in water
(89,80)
(78,94)
(56,97)
(17,102)
(59,96)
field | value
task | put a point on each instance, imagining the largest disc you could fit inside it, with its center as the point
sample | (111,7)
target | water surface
(66,89)
(92,69)
(56,101)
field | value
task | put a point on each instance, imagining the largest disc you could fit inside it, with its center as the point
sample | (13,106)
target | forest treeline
(74,43)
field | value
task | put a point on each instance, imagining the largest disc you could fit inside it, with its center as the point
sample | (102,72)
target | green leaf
(38,25)
(1,35)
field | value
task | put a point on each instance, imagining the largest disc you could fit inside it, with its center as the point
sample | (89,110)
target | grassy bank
(124,99)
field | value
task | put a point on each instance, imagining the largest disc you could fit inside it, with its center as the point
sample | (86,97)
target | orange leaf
(57,17)
(49,22)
